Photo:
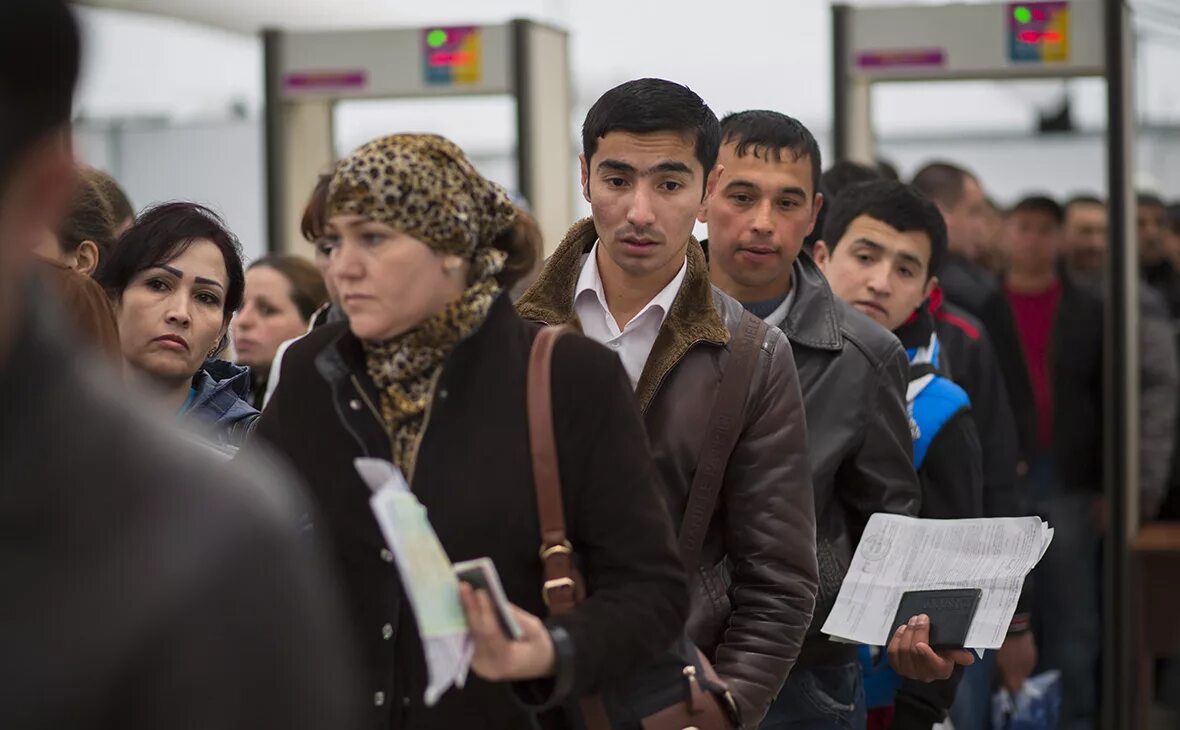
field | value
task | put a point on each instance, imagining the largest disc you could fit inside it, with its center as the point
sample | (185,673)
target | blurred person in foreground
(1085,253)
(1061,326)
(146,588)
(882,246)
(176,280)
(429,373)
(283,292)
(851,372)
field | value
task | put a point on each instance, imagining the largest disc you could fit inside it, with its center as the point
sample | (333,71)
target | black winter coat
(474,476)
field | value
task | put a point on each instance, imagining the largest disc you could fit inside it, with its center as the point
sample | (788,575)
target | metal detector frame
(853,140)
(526,60)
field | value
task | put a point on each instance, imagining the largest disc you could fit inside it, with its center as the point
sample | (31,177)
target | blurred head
(282,292)
(122,211)
(1034,235)
(1152,219)
(410,226)
(964,206)
(39,59)
(85,235)
(1084,237)
(648,147)
(1173,232)
(882,247)
(176,280)
(764,205)
(313,225)
(835,179)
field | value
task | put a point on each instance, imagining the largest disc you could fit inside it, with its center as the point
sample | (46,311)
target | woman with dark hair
(429,373)
(282,294)
(86,233)
(176,280)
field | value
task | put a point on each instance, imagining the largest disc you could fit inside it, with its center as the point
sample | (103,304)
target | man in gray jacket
(1159,381)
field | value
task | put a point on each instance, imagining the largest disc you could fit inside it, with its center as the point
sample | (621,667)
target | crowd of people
(190,543)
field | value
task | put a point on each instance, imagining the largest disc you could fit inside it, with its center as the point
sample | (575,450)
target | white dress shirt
(634,341)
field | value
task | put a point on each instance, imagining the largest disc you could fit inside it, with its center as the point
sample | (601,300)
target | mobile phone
(481,574)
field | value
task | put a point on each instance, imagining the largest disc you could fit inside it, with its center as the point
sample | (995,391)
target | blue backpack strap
(931,409)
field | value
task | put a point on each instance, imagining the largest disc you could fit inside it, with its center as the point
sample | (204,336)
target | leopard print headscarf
(423,185)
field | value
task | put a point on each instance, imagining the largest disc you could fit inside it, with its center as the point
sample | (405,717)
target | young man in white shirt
(634,278)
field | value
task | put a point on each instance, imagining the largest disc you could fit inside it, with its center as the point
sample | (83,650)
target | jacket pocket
(710,607)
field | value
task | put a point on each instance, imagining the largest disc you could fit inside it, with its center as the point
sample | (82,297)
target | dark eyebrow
(795,191)
(180,275)
(665,166)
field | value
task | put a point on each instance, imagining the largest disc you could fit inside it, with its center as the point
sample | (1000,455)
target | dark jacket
(853,375)
(970,362)
(474,476)
(222,402)
(763,532)
(952,488)
(148,586)
(978,292)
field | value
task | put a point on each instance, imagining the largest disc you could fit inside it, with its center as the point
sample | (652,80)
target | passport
(951,612)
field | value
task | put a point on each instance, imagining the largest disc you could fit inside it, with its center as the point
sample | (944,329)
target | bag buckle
(564,548)
(556,584)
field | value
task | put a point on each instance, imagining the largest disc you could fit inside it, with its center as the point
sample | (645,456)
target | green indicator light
(1022,14)
(438,38)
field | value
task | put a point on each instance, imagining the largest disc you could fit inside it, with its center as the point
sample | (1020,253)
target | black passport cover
(951,612)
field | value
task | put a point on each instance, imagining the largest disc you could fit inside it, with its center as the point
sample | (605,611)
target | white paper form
(427,576)
(898,554)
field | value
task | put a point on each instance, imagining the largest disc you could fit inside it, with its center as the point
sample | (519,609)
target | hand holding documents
(899,554)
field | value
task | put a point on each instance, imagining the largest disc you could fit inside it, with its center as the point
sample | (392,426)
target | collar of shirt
(590,282)
(634,341)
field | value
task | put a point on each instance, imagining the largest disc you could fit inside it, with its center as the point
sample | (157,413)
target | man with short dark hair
(959,196)
(852,371)
(1085,251)
(147,586)
(882,245)
(634,278)
(1155,257)
(1060,326)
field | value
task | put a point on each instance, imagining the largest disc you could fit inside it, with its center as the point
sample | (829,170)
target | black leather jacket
(853,374)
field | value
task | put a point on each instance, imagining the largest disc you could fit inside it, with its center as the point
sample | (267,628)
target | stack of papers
(427,576)
(898,554)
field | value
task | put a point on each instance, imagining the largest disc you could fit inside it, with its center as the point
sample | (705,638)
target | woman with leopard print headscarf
(429,373)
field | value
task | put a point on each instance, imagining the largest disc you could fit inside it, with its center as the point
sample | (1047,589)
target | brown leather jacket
(761,540)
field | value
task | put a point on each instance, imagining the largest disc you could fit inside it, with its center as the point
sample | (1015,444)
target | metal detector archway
(308,73)
(1022,40)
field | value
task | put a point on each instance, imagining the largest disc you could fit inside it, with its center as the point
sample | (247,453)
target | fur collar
(692,320)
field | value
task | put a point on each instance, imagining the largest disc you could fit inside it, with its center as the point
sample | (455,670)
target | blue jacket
(221,402)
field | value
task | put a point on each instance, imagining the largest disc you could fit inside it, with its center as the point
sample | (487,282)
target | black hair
(767,135)
(888,170)
(1041,204)
(942,182)
(164,232)
(1150,200)
(39,59)
(895,204)
(644,106)
(836,179)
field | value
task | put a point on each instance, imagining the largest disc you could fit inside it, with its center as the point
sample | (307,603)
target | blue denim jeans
(973,700)
(820,698)
(1067,601)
